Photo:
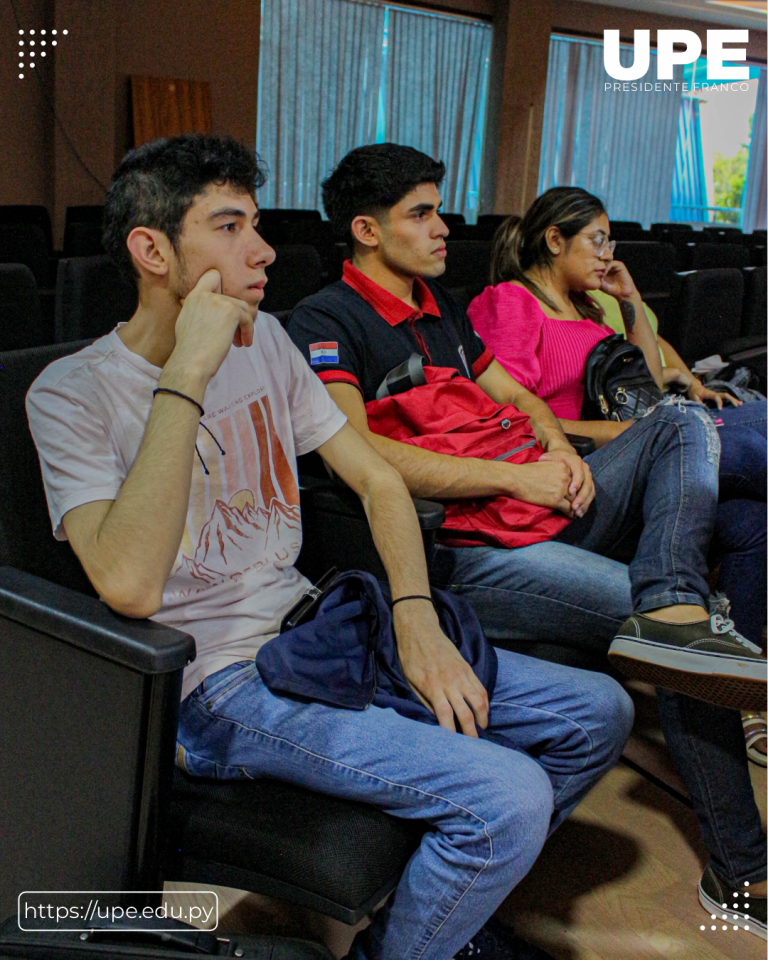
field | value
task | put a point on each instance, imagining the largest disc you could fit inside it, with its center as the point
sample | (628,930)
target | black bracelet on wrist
(176,393)
(414,596)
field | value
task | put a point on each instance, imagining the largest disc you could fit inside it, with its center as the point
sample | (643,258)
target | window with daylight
(716,136)
(337,74)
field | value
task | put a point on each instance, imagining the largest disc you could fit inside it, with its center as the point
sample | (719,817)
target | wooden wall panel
(168,106)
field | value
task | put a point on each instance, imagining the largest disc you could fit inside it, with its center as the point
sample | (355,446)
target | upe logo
(668,56)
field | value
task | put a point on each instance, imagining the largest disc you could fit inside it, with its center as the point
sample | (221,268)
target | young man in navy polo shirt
(384,198)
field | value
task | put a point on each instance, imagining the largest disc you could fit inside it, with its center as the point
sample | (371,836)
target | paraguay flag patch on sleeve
(325,352)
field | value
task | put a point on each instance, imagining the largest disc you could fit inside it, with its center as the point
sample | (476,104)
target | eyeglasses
(601,242)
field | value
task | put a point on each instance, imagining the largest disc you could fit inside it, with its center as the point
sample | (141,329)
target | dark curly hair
(372,179)
(155,185)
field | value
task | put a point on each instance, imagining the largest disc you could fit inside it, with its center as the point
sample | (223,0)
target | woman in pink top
(538,318)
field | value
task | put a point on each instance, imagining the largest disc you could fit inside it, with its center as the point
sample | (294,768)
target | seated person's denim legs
(569,591)
(490,808)
(743,450)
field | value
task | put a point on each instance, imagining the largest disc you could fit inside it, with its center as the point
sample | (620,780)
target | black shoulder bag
(617,382)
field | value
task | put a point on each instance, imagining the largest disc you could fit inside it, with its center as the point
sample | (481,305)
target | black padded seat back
(753,319)
(296,273)
(30,214)
(83,239)
(651,265)
(26,537)
(723,234)
(335,856)
(21,321)
(87,213)
(467,264)
(91,298)
(706,312)
(449,219)
(465,231)
(314,233)
(713,256)
(25,243)
(660,231)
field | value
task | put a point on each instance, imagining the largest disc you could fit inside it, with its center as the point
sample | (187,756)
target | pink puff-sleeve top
(545,355)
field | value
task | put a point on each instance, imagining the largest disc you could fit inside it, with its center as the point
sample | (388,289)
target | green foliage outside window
(730,175)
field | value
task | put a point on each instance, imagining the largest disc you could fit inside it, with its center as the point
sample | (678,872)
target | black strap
(183,396)
(413,596)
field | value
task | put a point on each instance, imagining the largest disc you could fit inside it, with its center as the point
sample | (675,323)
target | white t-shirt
(233,578)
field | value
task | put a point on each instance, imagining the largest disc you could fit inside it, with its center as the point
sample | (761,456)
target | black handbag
(617,382)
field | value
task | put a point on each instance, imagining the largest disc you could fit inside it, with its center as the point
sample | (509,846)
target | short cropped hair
(156,184)
(372,179)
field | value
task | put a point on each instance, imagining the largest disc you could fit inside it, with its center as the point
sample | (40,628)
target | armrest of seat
(582,445)
(330,496)
(87,623)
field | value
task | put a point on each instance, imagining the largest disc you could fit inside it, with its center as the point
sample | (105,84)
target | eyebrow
(423,206)
(229,212)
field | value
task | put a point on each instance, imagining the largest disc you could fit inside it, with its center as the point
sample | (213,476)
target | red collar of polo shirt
(386,304)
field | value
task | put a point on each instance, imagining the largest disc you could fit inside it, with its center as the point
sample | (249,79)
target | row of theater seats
(700,311)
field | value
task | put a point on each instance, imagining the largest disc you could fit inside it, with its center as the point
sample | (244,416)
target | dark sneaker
(708,659)
(497,941)
(738,907)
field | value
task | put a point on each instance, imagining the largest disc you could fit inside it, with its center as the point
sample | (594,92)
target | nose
(442,229)
(259,251)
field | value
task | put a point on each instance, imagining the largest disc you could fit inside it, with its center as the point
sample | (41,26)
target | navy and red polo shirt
(355,331)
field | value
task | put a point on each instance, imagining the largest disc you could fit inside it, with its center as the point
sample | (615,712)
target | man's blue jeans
(570,592)
(490,808)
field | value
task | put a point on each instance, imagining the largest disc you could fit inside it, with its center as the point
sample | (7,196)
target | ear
(555,241)
(365,231)
(151,250)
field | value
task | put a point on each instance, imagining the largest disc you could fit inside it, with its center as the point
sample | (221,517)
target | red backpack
(451,414)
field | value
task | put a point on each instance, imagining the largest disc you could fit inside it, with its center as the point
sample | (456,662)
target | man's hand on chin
(436,671)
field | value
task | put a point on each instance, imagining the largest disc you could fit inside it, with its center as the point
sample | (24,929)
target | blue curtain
(319,78)
(436,82)
(754,208)
(618,145)
(689,185)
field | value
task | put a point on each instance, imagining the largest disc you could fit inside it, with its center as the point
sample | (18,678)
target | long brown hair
(520,242)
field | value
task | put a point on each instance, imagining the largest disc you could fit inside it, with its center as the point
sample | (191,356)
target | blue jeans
(743,450)
(570,593)
(490,808)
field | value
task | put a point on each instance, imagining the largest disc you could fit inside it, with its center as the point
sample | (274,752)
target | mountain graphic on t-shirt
(240,537)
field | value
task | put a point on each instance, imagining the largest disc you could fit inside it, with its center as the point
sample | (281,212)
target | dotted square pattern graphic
(34,45)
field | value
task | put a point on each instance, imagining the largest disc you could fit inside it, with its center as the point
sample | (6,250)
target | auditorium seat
(296,273)
(314,233)
(705,312)
(755,306)
(21,318)
(652,267)
(467,265)
(465,231)
(488,224)
(91,298)
(450,219)
(85,213)
(83,239)
(628,230)
(26,243)
(723,234)
(757,257)
(708,256)
(29,214)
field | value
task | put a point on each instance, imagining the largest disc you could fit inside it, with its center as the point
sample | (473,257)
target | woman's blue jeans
(743,450)
(574,593)
(490,808)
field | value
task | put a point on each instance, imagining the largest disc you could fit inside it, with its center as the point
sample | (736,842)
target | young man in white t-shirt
(192,518)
